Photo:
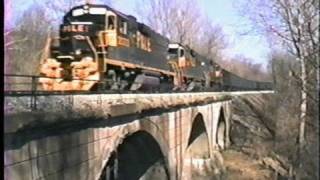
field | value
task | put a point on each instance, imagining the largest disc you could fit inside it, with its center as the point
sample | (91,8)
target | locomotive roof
(102,6)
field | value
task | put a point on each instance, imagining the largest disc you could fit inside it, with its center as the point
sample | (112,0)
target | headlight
(87,58)
(78,51)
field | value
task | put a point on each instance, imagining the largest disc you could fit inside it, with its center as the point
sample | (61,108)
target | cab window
(143,42)
(123,27)
(96,19)
(181,52)
(111,23)
(173,51)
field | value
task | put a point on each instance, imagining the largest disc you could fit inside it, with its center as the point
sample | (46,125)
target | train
(100,48)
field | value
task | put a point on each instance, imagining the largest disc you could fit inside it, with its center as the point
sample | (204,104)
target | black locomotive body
(101,48)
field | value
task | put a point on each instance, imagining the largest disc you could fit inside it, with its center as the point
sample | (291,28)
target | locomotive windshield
(173,51)
(96,19)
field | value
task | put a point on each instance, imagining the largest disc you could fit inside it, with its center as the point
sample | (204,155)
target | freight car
(231,81)
(100,48)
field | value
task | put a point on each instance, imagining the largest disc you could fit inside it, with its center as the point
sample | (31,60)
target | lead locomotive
(100,48)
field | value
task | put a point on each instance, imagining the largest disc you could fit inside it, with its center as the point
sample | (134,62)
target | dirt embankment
(240,166)
(253,134)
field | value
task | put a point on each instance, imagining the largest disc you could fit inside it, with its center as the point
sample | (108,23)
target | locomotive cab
(108,37)
(104,26)
(180,59)
(174,52)
(99,22)
(181,55)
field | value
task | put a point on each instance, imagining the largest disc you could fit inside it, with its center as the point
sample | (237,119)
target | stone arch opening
(138,157)
(221,131)
(197,155)
(198,142)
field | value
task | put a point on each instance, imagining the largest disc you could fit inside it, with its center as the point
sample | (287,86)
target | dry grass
(242,167)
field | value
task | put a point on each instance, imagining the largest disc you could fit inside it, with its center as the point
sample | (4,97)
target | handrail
(36,76)
(34,82)
(92,48)
(102,41)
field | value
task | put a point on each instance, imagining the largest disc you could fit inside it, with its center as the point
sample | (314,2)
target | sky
(221,12)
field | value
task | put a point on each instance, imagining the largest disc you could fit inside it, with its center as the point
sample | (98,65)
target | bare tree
(33,30)
(211,40)
(156,13)
(245,68)
(294,25)
(8,31)
(177,20)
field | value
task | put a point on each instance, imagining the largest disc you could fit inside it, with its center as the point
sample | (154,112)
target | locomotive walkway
(128,136)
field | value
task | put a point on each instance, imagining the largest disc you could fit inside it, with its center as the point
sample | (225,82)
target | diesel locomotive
(100,48)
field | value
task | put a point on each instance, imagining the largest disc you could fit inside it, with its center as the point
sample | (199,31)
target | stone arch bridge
(122,136)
